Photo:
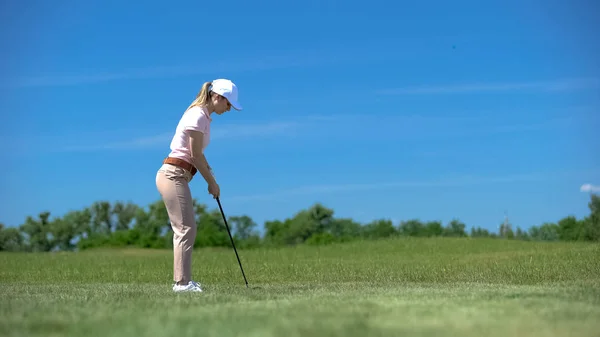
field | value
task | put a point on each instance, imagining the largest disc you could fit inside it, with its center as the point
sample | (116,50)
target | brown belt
(181,163)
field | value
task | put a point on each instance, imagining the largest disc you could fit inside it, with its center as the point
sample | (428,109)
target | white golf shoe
(191,286)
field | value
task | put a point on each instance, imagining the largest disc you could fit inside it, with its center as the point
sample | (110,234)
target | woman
(186,158)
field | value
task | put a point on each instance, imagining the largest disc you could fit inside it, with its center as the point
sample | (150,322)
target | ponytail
(203,95)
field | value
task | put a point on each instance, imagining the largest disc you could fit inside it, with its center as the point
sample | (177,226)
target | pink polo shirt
(196,118)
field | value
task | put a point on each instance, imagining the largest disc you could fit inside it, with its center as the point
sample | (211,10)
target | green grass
(416,287)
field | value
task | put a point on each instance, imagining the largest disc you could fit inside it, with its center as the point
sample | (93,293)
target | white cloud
(408,127)
(456,181)
(589,188)
(260,63)
(137,143)
(342,123)
(557,85)
(263,60)
(252,130)
(222,132)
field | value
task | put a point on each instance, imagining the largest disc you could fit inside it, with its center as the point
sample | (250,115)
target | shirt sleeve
(196,120)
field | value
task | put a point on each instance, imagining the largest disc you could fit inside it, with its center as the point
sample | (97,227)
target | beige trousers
(173,185)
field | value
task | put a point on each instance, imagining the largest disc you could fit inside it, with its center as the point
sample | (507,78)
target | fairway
(411,286)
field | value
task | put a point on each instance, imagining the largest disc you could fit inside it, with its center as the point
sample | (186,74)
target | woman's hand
(214,190)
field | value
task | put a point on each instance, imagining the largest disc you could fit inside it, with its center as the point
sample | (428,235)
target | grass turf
(420,287)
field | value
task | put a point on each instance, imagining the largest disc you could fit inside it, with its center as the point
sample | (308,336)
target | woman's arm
(198,158)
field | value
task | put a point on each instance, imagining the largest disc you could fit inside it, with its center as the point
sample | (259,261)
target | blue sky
(388,110)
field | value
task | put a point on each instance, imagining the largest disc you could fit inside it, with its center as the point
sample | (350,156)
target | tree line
(122,224)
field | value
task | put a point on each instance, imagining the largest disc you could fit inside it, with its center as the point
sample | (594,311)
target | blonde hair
(202,97)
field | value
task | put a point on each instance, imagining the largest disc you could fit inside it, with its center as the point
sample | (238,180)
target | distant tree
(570,229)
(242,227)
(455,228)
(345,229)
(521,234)
(546,232)
(591,224)
(506,230)
(11,239)
(378,229)
(412,227)
(433,228)
(478,232)
(37,232)
(122,224)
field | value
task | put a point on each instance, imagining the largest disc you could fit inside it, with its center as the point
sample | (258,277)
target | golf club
(233,244)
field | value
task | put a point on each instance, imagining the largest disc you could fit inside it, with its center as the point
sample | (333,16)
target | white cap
(227,89)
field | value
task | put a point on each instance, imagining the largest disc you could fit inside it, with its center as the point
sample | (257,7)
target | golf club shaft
(232,243)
